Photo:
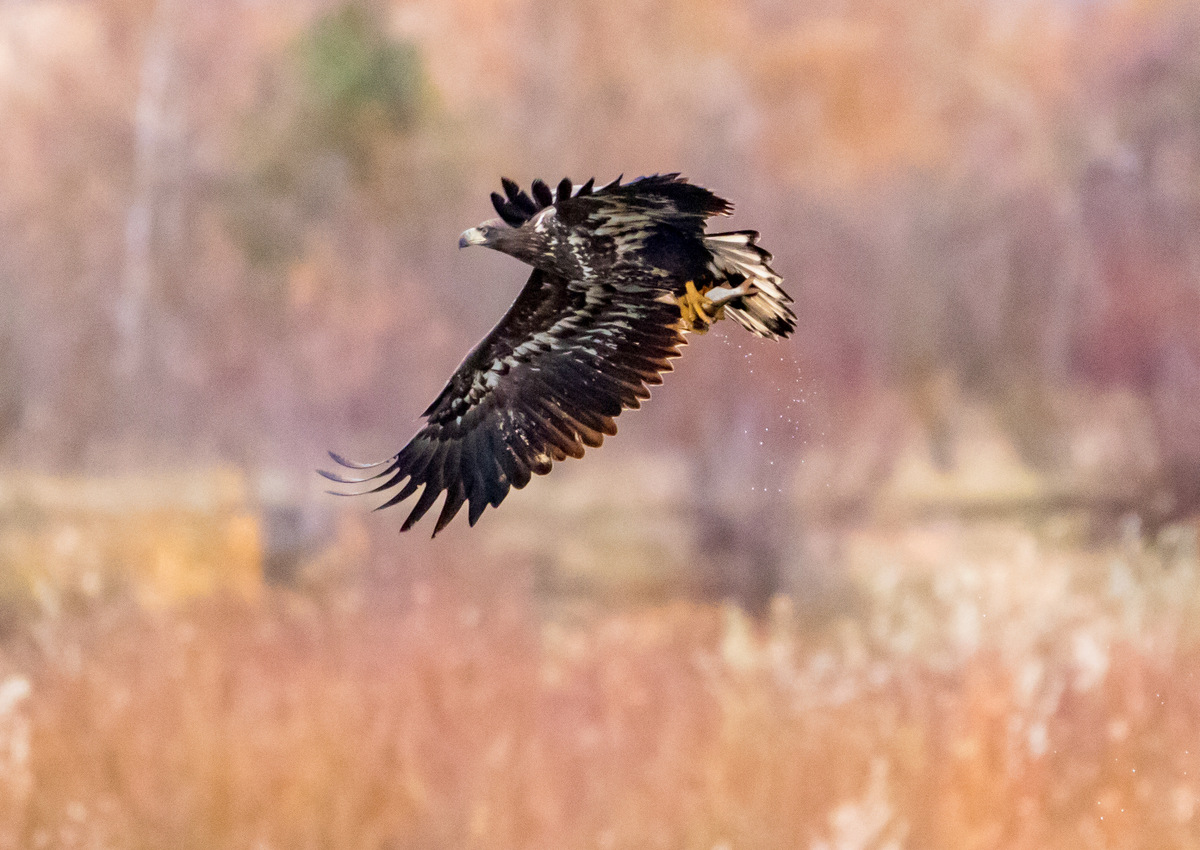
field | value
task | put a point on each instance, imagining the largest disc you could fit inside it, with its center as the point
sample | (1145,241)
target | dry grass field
(988,687)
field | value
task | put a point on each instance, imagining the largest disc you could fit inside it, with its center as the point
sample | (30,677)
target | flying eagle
(620,273)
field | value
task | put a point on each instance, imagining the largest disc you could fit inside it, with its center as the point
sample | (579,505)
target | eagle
(620,273)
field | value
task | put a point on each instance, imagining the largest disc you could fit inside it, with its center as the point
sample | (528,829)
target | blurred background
(925,575)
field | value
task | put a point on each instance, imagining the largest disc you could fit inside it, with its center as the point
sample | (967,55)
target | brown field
(986,687)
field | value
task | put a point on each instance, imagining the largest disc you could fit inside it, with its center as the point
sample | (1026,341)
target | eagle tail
(764,311)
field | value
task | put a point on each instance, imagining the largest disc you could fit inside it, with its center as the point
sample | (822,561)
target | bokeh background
(925,576)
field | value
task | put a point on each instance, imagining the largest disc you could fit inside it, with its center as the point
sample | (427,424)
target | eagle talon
(698,311)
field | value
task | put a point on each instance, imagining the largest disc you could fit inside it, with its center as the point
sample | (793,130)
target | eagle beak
(474,236)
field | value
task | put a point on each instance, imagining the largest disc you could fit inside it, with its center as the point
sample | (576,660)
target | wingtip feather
(542,193)
(349,464)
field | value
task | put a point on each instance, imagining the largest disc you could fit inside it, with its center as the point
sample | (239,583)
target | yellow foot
(697,310)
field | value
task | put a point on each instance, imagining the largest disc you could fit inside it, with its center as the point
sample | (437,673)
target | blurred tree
(1000,198)
(11,395)
(157,149)
(357,81)
(345,95)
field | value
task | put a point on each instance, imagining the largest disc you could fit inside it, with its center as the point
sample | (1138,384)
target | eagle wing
(547,381)
(659,198)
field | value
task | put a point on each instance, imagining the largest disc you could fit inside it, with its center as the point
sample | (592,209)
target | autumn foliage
(955,515)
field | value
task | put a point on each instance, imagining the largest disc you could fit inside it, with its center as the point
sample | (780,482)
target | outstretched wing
(547,381)
(660,198)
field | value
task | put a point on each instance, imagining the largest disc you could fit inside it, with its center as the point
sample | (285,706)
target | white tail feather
(764,311)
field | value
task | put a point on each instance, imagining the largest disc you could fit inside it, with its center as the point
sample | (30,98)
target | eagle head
(524,243)
(491,234)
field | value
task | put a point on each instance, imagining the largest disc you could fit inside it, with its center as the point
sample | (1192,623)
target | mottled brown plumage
(595,326)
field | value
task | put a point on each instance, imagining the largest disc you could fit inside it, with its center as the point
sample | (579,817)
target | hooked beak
(474,236)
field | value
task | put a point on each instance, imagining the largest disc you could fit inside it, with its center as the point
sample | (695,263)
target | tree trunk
(154,134)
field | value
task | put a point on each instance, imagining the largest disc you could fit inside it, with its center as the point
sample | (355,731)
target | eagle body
(619,275)
(647,233)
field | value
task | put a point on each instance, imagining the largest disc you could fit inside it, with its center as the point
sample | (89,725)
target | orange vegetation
(990,688)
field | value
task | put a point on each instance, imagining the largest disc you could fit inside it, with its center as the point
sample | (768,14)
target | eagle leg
(697,310)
